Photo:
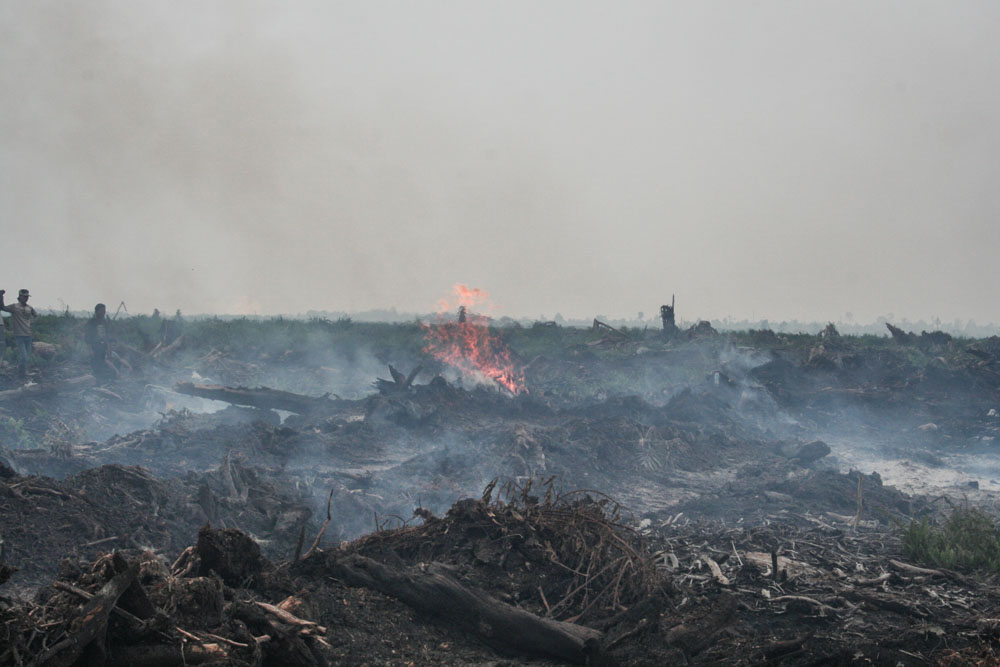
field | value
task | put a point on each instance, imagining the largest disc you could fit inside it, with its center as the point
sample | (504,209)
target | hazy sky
(759,159)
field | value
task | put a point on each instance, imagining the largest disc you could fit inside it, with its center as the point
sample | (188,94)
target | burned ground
(733,499)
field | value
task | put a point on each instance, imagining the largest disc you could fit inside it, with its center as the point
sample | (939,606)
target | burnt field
(313,492)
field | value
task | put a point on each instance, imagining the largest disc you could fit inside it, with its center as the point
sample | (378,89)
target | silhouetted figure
(97,335)
(667,315)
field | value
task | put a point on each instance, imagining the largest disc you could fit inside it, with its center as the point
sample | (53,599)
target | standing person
(97,337)
(3,333)
(20,321)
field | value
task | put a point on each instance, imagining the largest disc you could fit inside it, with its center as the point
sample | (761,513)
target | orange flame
(469,345)
(465,296)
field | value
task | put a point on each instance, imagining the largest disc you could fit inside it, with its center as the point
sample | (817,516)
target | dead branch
(93,621)
(35,390)
(716,571)
(822,606)
(289,618)
(323,527)
(918,571)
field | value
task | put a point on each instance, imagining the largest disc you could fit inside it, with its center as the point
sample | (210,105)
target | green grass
(967,540)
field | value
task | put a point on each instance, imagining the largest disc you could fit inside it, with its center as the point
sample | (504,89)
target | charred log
(500,625)
(36,390)
(262,397)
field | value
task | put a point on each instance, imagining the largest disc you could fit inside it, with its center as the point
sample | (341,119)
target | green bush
(967,540)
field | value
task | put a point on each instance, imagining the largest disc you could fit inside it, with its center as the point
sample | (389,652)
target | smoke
(277,158)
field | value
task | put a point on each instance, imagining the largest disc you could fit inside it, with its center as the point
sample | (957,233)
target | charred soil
(718,499)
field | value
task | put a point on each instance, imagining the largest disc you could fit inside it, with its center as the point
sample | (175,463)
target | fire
(468,344)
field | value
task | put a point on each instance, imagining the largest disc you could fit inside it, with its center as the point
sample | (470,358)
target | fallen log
(34,390)
(895,606)
(262,397)
(500,625)
(914,570)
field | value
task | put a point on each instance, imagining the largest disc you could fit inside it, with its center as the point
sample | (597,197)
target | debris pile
(206,608)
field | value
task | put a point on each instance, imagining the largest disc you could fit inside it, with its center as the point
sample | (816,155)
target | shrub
(967,540)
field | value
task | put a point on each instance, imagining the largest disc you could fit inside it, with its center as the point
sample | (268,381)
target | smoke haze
(770,159)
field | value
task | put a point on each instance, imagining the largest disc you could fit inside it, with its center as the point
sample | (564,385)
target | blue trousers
(24,347)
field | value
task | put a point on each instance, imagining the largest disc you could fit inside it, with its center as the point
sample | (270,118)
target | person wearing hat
(20,325)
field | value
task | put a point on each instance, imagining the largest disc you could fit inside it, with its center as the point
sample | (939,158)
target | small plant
(967,540)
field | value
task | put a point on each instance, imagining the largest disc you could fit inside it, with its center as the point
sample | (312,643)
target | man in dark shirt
(96,335)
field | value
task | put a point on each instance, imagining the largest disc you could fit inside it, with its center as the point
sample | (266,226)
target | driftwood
(34,390)
(262,397)
(500,625)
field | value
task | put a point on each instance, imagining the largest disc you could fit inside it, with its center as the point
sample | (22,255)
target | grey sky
(759,159)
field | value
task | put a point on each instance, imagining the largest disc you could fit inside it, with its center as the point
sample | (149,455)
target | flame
(467,297)
(470,345)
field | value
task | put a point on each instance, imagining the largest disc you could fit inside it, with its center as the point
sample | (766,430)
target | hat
(23,292)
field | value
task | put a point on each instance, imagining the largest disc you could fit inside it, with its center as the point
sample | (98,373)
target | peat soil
(690,501)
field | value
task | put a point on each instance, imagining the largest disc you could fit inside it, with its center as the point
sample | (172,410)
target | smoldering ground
(754,434)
